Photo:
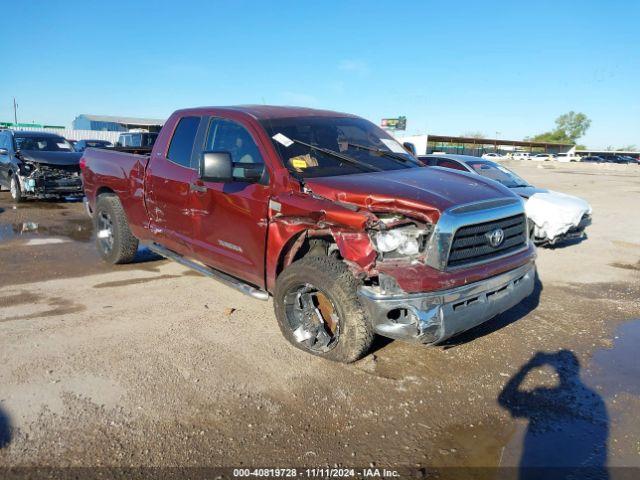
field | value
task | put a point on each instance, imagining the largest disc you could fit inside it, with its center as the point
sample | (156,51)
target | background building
(115,124)
(477,146)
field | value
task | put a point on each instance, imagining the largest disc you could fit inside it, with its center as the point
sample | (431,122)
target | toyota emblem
(495,237)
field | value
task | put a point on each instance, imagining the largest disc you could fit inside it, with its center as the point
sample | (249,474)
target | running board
(209,272)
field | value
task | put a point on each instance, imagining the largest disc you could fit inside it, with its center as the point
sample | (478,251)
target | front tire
(16,191)
(318,309)
(114,239)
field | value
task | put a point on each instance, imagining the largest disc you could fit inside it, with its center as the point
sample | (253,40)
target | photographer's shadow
(5,429)
(568,423)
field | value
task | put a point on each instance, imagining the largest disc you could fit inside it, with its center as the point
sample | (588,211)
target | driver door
(230,219)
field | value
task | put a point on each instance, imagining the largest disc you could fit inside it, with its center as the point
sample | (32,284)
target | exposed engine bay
(42,180)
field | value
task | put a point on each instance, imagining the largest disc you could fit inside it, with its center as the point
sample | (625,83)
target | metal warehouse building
(115,124)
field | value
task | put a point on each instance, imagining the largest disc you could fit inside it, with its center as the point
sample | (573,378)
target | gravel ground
(152,365)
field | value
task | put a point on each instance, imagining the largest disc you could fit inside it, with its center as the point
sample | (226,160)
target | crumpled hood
(51,158)
(427,191)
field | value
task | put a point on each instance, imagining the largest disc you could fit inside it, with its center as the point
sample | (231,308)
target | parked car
(82,145)
(492,156)
(521,156)
(556,216)
(593,159)
(634,161)
(542,157)
(137,140)
(38,165)
(567,157)
(325,212)
(614,158)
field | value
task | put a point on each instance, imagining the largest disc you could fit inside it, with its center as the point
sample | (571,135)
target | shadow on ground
(5,429)
(566,243)
(568,427)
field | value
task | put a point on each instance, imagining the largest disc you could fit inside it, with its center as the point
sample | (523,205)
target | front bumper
(59,183)
(432,317)
(573,233)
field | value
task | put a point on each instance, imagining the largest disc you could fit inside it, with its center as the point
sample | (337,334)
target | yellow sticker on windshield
(303,161)
(298,163)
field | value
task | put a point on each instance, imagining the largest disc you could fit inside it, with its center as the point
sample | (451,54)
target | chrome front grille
(472,243)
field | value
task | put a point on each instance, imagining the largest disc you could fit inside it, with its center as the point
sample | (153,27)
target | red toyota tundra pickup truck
(325,212)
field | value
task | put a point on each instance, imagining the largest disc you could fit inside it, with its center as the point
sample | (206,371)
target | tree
(475,134)
(574,125)
(569,128)
(554,136)
(628,148)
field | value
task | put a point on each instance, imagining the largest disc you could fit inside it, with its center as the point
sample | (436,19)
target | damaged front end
(41,180)
(425,276)
(476,262)
(432,317)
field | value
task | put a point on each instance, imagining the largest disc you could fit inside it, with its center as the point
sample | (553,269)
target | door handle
(195,187)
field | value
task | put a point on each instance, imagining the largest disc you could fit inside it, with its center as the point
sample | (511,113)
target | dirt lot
(153,365)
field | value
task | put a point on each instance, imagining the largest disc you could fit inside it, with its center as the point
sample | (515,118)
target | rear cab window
(182,142)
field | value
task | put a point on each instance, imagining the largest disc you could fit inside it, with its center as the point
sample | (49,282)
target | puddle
(79,230)
(617,370)
(570,423)
(46,204)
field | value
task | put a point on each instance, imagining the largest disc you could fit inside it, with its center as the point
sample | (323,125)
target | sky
(506,68)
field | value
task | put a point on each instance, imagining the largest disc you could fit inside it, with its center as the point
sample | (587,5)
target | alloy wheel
(105,231)
(313,318)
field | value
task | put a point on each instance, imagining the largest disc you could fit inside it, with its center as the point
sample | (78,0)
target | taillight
(83,163)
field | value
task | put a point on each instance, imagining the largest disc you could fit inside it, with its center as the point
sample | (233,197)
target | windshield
(498,173)
(43,144)
(356,138)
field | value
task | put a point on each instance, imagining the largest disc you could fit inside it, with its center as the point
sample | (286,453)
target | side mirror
(410,147)
(216,167)
(3,151)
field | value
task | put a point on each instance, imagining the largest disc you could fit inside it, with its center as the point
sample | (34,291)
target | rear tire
(114,239)
(327,284)
(16,191)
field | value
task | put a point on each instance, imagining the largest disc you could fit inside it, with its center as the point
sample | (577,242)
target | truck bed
(120,172)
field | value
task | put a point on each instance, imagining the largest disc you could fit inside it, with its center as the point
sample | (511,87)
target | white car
(555,216)
(521,156)
(543,157)
(567,157)
(492,156)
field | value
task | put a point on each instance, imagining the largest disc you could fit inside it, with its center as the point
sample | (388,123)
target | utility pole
(15,111)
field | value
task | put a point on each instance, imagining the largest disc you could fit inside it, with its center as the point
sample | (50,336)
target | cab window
(181,146)
(229,136)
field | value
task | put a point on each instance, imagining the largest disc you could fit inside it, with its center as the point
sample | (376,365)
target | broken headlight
(405,241)
(27,168)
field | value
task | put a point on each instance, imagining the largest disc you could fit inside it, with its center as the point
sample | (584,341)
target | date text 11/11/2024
(316,473)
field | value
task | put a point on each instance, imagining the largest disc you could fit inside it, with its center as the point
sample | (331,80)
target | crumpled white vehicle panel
(554,213)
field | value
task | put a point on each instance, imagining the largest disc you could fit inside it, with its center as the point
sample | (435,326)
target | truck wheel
(16,191)
(114,240)
(318,309)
